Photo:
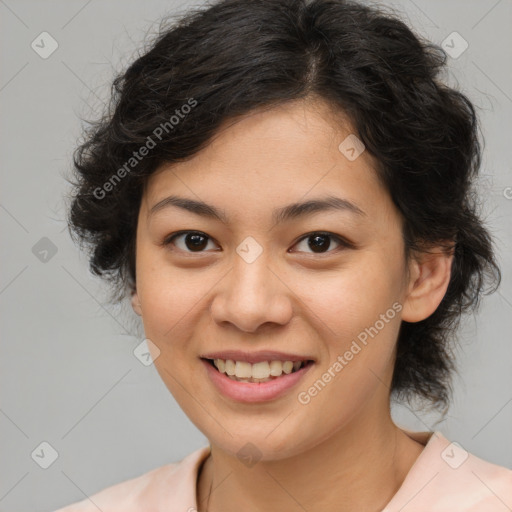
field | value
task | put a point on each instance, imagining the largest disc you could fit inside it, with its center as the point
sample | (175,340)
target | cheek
(357,315)
(169,294)
(352,298)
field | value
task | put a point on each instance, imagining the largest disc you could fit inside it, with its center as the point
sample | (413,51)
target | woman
(285,190)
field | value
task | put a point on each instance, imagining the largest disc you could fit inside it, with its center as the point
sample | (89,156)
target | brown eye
(189,241)
(320,243)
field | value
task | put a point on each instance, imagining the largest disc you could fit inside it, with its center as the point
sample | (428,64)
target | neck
(360,467)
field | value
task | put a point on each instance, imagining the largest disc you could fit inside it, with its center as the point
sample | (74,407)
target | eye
(320,242)
(196,241)
(188,241)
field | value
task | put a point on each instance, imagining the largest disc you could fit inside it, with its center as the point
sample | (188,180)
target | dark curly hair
(226,60)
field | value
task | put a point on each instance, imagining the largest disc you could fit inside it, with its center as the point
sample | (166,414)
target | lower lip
(254,391)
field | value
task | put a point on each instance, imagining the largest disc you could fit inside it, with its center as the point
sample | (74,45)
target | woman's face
(256,281)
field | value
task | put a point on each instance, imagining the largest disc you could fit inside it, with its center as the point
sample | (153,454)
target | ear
(429,278)
(136,303)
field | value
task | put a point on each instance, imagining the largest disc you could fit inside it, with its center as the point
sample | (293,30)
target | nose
(252,295)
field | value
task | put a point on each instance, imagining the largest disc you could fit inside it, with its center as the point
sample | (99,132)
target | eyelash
(343,243)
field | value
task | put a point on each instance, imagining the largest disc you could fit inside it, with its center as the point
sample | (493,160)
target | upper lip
(255,357)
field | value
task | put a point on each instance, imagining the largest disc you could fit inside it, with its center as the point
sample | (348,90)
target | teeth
(243,370)
(276,368)
(221,365)
(257,372)
(287,367)
(229,365)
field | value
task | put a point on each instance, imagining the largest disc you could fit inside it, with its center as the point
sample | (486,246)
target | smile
(262,371)
(268,380)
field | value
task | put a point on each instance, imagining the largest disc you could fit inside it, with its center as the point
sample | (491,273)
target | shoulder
(157,489)
(483,485)
(446,477)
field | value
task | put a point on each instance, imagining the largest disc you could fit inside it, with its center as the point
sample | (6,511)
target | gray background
(68,373)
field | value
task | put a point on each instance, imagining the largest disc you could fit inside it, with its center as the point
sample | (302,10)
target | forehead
(290,153)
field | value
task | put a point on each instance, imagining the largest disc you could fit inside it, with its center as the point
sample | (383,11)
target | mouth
(262,381)
(260,372)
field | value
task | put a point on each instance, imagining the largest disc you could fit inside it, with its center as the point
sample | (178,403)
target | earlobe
(136,304)
(430,277)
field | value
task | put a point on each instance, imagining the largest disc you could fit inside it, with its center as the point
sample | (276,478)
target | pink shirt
(444,478)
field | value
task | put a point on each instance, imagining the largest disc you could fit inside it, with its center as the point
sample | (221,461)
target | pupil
(320,242)
(195,241)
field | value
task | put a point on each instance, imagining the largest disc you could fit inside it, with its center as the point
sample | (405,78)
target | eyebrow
(279,215)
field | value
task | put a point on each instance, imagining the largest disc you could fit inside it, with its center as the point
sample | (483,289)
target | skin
(341,451)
